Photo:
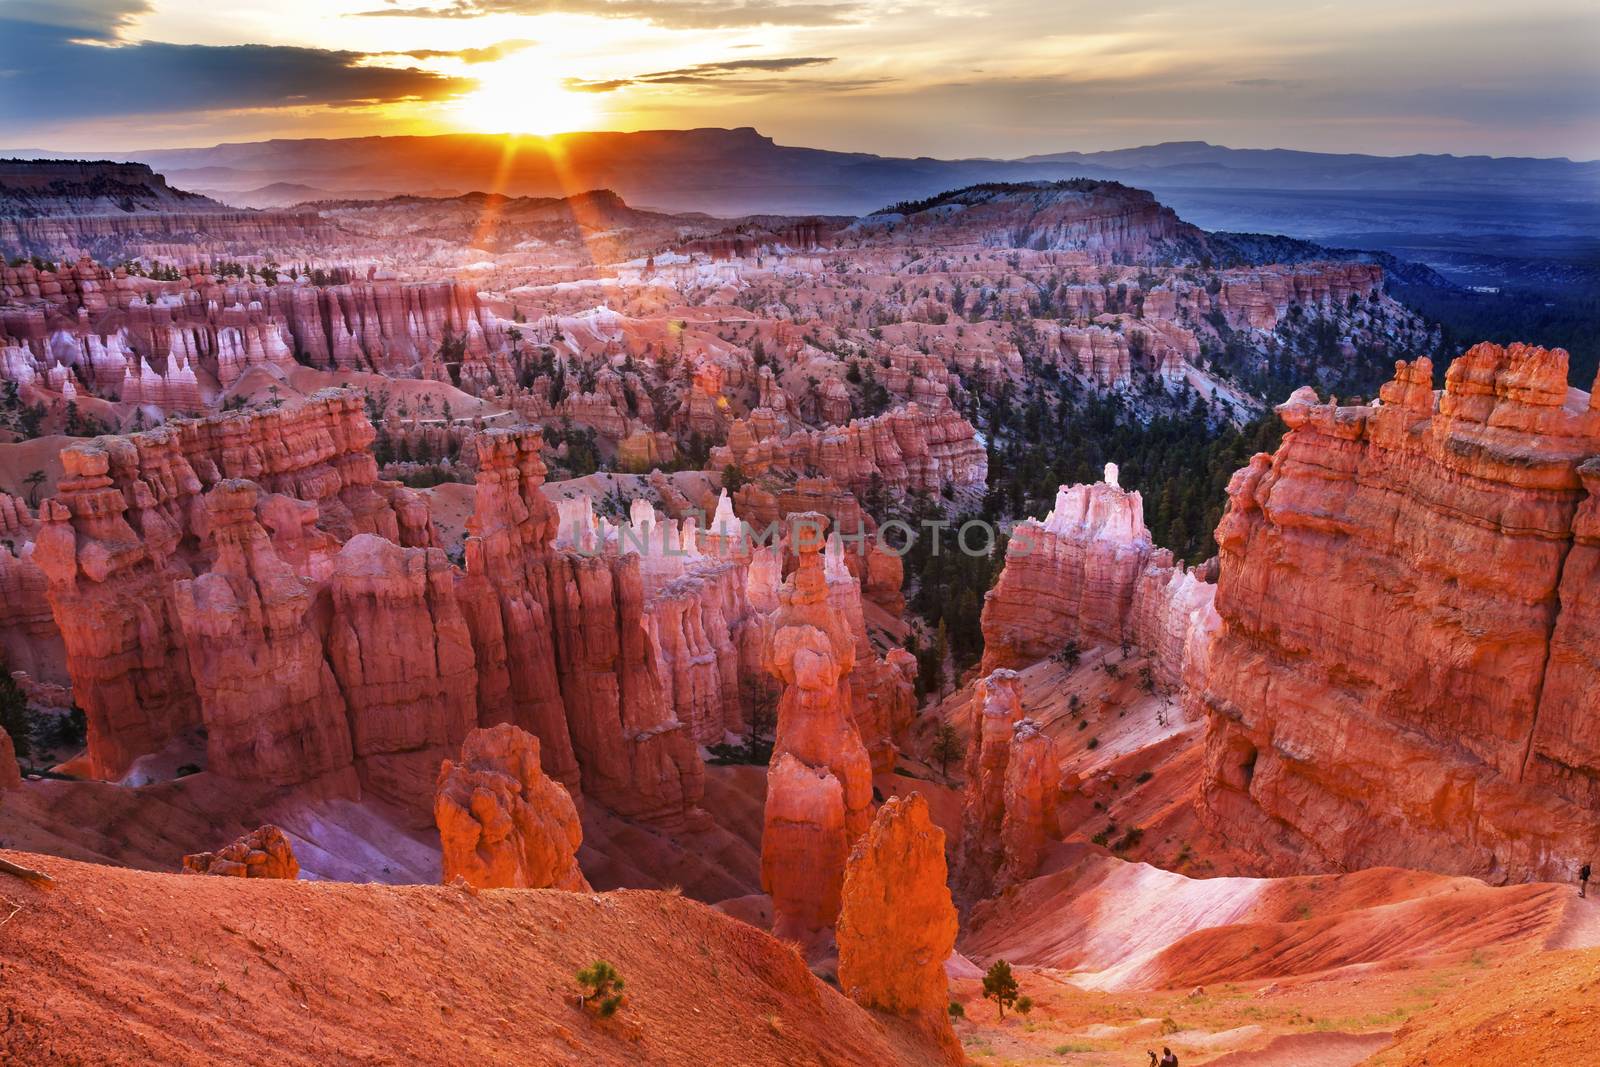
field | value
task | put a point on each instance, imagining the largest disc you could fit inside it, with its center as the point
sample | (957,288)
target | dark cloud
(48,75)
(486,54)
(93,20)
(678,14)
(706,73)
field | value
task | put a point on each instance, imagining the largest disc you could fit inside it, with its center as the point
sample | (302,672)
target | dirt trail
(1580,928)
(1308,1050)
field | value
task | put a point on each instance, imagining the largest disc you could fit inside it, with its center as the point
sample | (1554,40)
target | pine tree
(947,747)
(1000,986)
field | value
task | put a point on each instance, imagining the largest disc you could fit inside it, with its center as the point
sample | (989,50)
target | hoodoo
(503,823)
(819,790)
(897,925)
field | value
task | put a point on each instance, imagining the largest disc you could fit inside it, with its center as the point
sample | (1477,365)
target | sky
(949,78)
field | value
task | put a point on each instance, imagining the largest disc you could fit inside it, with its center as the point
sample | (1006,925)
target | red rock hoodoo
(819,790)
(1009,810)
(897,925)
(503,823)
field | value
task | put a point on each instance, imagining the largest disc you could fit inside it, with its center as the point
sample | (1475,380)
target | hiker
(1167,1058)
(1583,880)
(1152,1055)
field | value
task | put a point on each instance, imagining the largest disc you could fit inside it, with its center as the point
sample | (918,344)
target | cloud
(49,74)
(676,14)
(1267,83)
(704,73)
(95,20)
(486,54)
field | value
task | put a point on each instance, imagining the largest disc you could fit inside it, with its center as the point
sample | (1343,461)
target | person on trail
(1583,880)
(1153,1062)
(1167,1058)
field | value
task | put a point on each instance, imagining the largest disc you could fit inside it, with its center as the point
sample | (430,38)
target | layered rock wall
(1405,637)
(909,448)
(1090,573)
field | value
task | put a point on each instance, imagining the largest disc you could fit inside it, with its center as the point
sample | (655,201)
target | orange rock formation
(819,790)
(1403,669)
(503,823)
(1013,778)
(262,853)
(897,925)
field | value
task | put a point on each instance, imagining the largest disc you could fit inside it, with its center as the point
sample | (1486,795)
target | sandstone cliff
(1090,573)
(1405,629)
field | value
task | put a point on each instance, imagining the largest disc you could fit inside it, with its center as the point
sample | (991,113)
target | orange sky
(979,77)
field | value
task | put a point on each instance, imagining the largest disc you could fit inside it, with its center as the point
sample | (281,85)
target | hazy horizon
(1001,79)
(133,152)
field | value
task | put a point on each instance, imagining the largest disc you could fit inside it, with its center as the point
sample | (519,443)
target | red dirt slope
(1132,926)
(116,966)
(1545,1010)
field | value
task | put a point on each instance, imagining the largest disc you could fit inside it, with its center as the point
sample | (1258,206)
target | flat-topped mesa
(504,824)
(897,925)
(264,852)
(1406,629)
(1103,221)
(1089,572)
(910,448)
(819,790)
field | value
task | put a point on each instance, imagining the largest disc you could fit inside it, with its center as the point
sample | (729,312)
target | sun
(515,99)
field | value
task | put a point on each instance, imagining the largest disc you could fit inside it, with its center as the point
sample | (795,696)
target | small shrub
(956,1010)
(1024,1005)
(602,989)
(1144,776)
(1094,743)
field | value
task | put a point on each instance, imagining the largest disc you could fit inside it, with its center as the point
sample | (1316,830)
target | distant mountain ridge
(55,188)
(740,171)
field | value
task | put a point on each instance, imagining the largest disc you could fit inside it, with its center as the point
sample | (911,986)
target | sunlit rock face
(819,790)
(1406,641)
(897,925)
(503,823)
(262,853)
(1089,572)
